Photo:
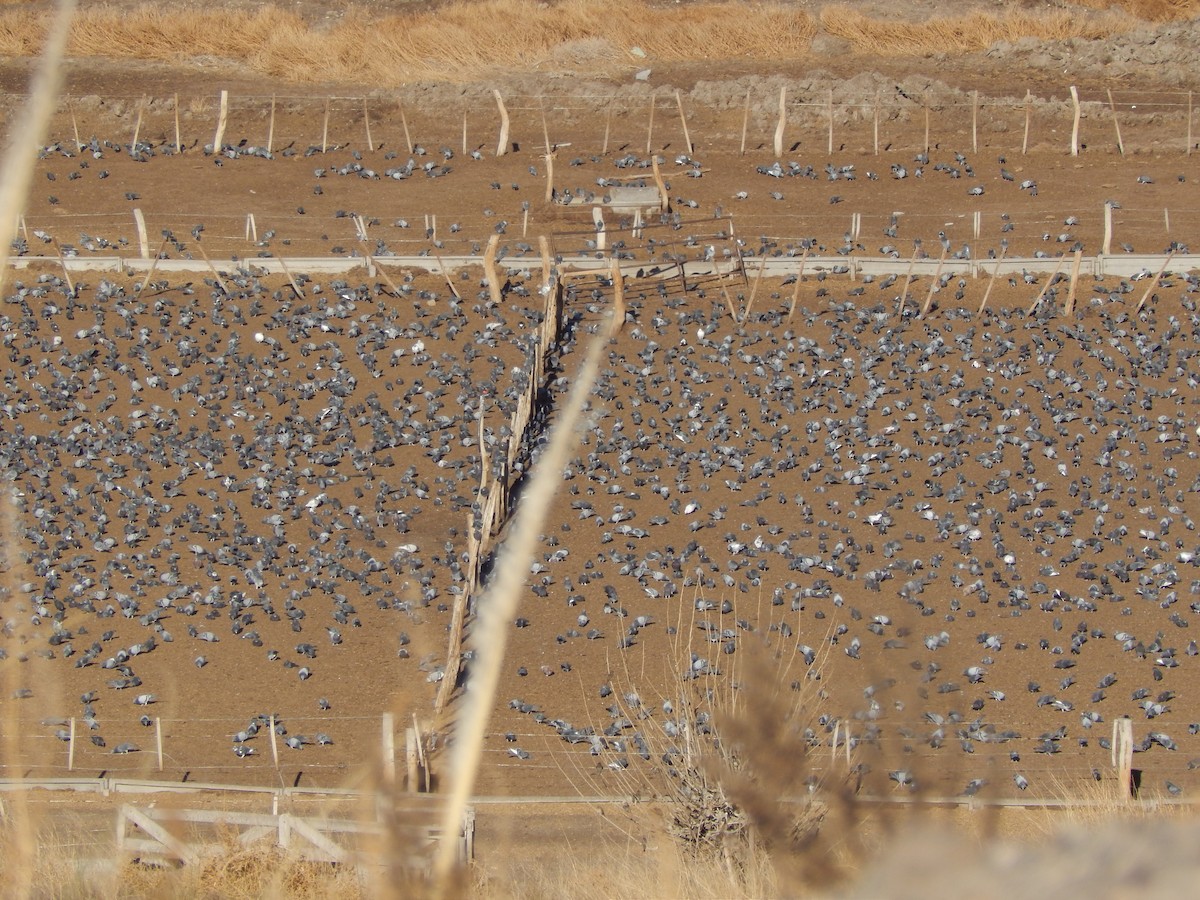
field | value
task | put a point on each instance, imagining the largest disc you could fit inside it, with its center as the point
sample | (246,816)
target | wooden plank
(332,852)
(169,842)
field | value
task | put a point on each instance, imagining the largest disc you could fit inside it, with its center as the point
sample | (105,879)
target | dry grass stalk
(498,606)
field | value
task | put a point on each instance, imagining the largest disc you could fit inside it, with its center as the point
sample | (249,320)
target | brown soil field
(966,538)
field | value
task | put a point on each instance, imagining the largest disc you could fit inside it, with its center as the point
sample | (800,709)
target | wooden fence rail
(188,836)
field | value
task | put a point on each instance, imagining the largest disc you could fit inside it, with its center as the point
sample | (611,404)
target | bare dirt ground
(851,480)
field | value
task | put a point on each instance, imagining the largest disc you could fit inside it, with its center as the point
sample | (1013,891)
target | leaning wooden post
(274,741)
(1069,306)
(222,120)
(687,138)
(933,287)
(779,126)
(212,268)
(650,126)
(71,747)
(158,742)
(388,749)
(137,126)
(1106,246)
(545,127)
(502,143)
(618,314)
(1154,281)
(762,268)
(325,128)
(1116,122)
(1122,755)
(1045,287)
(663,197)
(799,278)
(408,142)
(489,270)
(746,123)
(908,279)
(607,128)
(1078,113)
(62,262)
(1028,111)
(367,124)
(992,280)
(79,144)
(271,126)
(139,222)
(833,743)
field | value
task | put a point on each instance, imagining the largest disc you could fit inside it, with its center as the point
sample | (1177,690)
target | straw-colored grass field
(462,40)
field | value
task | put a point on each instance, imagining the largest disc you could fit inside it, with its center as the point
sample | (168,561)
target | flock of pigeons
(969,535)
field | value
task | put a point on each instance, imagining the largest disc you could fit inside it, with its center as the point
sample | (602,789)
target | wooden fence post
(502,143)
(1106,247)
(408,143)
(274,742)
(877,123)
(1028,110)
(79,144)
(1122,755)
(410,759)
(1069,307)
(367,124)
(325,128)
(618,313)
(974,121)
(1116,122)
(222,120)
(992,280)
(1045,287)
(143,241)
(271,126)
(746,124)
(1078,113)
(489,270)
(831,121)
(925,146)
(388,749)
(464,142)
(71,747)
(158,741)
(650,126)
(1189,124)
(1155,280)
(933,287)
(779,126)
(607,128)
(137,126)
(687,138)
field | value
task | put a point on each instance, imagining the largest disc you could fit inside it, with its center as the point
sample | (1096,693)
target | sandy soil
(862,480)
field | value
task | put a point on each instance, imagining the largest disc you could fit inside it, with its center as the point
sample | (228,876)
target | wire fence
(775,115)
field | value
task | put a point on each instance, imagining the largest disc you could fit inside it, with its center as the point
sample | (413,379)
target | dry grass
(969,33)
(1149,10)
(457,41)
